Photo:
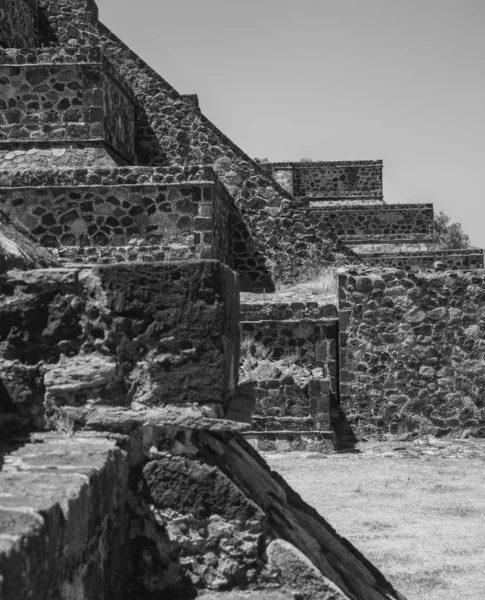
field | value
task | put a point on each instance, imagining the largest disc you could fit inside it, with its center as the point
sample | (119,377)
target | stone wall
(52,154)
(75,339)
(165,511)
(68,22)
(81,101)
(111,221)
(118,113)
(63,523)
(18,24)
(411,260)
(171,130)
(144,490)
(399,222)
(412,351)
(297,390)
(351,180)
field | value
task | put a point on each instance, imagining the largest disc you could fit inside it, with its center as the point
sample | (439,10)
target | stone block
(64,520)
(66,102)
(132,336)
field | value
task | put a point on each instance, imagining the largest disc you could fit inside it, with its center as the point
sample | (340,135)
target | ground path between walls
(421,448)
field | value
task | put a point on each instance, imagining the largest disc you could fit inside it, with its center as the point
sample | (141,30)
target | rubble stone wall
(66,102)
(122,219)
(452,260)
(171,131)
(18,19)
(112,216)
(166,512)
(400,222)
(302,399)
(79,338)
(361,180)
(412,351)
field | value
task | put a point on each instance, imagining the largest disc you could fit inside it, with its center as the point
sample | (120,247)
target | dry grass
(318,281)
(420,521)
(256,362)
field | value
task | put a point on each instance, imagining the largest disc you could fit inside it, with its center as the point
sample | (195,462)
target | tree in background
(449,235)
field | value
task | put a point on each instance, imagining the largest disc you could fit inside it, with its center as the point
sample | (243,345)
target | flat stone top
(302,295)
(78,177)
(330,163)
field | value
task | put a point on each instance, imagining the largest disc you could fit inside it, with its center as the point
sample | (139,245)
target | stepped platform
(414,258)
(64,108)
(331,181)
(123,214)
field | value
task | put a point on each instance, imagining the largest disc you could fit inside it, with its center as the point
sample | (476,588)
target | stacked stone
(346,199)
(297,407)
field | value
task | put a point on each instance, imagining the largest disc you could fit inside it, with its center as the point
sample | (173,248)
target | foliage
(449,235)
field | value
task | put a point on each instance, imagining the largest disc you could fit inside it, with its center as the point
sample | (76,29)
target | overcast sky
(402,81)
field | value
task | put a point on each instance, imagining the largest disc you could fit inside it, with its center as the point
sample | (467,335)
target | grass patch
(315,281)
(426,534)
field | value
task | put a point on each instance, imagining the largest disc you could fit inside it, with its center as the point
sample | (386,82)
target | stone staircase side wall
(288,402)
(461,260)
(350,180)
(18,20)
(374,224)
(119,219)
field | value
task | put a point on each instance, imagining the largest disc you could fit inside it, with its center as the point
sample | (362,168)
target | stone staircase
(347,199)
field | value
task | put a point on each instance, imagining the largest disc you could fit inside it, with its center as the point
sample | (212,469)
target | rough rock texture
(415,260)
(18,249)
(411,351)
(389,222)
(18,23)
(165,512)
(63,519)
(173,131)
(136,337)
(90,214)
(208,514)
(350,180)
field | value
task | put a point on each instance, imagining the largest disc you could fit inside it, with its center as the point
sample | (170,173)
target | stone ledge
(119,420)
(128,336)
(63,523)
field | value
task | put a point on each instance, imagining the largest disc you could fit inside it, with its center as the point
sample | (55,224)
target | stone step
(86,103)
(378,224)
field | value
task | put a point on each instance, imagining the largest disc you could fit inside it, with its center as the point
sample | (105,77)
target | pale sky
(398,80)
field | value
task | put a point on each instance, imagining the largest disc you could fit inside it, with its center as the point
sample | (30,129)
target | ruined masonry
(129,224)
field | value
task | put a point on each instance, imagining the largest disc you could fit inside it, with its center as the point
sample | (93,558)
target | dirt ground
(415,509)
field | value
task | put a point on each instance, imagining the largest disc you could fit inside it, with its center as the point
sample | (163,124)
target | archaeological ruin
(142,253)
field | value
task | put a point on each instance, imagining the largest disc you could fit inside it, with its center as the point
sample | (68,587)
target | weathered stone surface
(63,521)
(262,595)
(411,352)
(208,514)
(18,249)
(131,336)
